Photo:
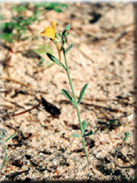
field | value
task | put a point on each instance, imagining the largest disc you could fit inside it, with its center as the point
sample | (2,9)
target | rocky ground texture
(103,57)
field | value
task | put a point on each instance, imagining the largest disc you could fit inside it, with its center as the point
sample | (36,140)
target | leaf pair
(65,93)
(54,59)
(84,125)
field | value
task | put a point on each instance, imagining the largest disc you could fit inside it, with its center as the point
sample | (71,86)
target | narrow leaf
(54,59)
(84,125)
(70,46)
(12,136)
(76,135)
(89,133)
(82,93)
(66,33)
(5,160)
(65,93)
(3,133)
(67,28)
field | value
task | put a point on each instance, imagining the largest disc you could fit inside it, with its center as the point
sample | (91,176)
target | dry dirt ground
(102,56)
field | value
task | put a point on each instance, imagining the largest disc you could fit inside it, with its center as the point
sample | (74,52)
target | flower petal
(54,25)
(49,31)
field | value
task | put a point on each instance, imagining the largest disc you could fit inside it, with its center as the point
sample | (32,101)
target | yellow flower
(51,32)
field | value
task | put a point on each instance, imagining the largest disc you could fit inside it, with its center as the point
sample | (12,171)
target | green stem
(77,108)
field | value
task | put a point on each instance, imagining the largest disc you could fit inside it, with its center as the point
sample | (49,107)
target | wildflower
(51,32)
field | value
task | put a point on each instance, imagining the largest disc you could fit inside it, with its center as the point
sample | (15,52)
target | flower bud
(65,33)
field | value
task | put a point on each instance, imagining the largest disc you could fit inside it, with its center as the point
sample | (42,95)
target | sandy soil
(102,56)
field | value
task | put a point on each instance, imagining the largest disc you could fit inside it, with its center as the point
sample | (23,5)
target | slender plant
(60,39)
(3,143)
